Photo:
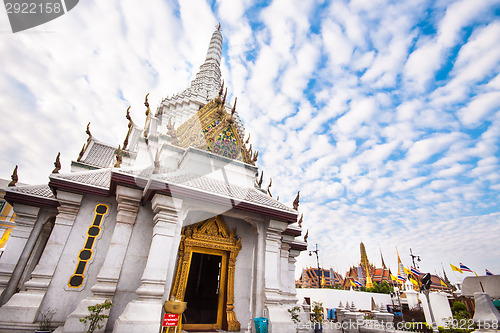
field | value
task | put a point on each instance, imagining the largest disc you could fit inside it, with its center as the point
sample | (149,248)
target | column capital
(164,202)
(70,204)
(128,204)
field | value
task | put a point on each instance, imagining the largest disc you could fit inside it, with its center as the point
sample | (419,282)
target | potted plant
(95,316)
(45,325)
(317,316)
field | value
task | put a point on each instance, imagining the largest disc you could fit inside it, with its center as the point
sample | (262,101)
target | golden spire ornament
(296,201)
(57,163)
(119,158)
(148,118)
(14,178)
(269,186)
(130,124)
(301,220)
(261,179)
(306,236)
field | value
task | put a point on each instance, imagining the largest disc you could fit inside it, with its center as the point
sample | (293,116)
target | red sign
(170,319)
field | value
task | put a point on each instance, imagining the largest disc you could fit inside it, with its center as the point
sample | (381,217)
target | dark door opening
(203,289)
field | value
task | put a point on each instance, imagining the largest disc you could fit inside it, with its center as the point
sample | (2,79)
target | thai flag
(358,283)
(415,271)
(489,273)
(401,278)
(465,268)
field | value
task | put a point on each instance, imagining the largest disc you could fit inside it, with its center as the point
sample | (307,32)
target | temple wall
(134,264)
(243,284)
(60,296)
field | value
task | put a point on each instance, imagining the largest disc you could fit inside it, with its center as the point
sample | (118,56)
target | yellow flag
(443,284)
(352,283)
(407,271)
(456,269)
(414,282)
(393,278)
(323,282)
(5,236)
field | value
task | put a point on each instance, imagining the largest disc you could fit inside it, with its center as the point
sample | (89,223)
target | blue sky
(384,114)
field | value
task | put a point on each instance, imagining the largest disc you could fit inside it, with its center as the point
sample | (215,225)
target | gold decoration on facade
(14,178)
(86,145)
(171,132)
(296,201)
(211,236)
(119,158)
(215,130)
(57,163)
(130,125)
(261,179)
(148,117)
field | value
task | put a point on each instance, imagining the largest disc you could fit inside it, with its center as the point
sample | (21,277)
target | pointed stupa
(205,86)
(364,258)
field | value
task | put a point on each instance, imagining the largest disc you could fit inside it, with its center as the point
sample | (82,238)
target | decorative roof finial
(301,220)
(248,140)
(306,236)
(57,163)
(86,145)
(224,99)
(14,178)
(269,186)
(88,132)
(130,125)
(261,178)
(157,161)
(148,118)
(218,27)
(119,158)
(233,110)
(296,201)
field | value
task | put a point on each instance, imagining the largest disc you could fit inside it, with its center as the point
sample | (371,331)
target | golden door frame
(211,236)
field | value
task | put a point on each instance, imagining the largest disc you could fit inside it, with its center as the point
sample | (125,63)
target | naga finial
(301,220)
(233,110)
(248,140)
(269,186)
(148,118)
(306,236)
(57,163)
(88,131)
(119,158)
(130,124)
(261,178)
(218,27)
(224,99)
(14,178)
(296,201)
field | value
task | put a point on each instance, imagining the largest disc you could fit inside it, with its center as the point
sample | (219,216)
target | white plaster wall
(440,308)
(59,296)
(134,263)
(243,287)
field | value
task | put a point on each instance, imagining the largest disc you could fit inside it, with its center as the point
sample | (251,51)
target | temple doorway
(205,275)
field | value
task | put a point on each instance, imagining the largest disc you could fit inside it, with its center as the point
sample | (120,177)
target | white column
(260,270)
(284,290)
(144,314)
(291,275)
(128,205)
(26,217)
(279,318)
(23,306)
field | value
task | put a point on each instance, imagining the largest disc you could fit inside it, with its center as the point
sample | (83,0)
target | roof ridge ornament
(14,178)
(85,145)
(269,186)
(130,125)
(148,118)
(57,163)
(296,201)
(119,158)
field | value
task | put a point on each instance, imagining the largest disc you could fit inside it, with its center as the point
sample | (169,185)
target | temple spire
(208,80)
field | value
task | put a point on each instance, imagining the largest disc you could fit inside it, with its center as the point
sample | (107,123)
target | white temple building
(176,212)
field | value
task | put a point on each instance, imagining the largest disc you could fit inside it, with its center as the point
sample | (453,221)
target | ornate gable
(214,130)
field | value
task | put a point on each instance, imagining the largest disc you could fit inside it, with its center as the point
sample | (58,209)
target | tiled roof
(99,178)
(233,191)
(100,155)
(35,190)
